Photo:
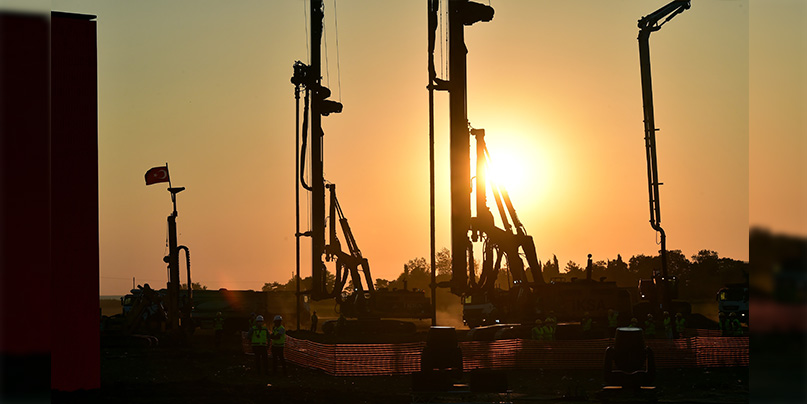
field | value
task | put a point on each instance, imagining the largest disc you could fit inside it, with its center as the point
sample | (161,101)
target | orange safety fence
(399,359)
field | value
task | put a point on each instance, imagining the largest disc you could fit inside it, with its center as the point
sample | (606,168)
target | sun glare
(521,171)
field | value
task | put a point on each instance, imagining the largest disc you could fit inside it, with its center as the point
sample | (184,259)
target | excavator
(363,302)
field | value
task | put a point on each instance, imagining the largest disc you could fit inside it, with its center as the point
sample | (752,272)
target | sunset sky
(204,86)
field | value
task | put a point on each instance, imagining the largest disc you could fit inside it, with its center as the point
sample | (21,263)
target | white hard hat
(278,318)
(259,318)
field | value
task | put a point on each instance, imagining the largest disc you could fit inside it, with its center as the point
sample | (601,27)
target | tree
(573,270)
(551,269)
(271,287)
(194,286)
(617,271)
(443,261)
(642,266)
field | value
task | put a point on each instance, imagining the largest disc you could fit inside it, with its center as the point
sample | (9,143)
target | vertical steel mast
(317,180)
(460,14)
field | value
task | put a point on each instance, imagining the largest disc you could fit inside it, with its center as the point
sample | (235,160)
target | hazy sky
(204,86)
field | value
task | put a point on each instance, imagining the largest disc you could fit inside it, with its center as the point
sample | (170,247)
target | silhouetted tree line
(700,276)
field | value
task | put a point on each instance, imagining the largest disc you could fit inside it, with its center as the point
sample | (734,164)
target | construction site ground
(197,372)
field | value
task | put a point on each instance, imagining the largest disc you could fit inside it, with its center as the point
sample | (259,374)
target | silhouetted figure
(586,323)
(258,335)
(613,317)
(723,324)
(650,327)
(538,330)
(735,328)
(668,325)
(278,338)
(314,320)
(680,325)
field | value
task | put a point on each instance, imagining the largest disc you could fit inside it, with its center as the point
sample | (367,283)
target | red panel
(75,358)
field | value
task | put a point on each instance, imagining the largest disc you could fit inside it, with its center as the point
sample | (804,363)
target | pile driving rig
(364,301)
(528,296)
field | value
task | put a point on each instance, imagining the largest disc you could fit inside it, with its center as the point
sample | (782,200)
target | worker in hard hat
(585,324)
(538,330)
(613,321)
(278,337)
(680,325)
(735,328)
(668,326)
(650,327)
(258,335)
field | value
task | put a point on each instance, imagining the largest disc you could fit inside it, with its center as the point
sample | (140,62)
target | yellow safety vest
(260,336)
(282,332)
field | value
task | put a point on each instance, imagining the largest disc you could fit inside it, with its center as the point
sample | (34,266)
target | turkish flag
(157,174)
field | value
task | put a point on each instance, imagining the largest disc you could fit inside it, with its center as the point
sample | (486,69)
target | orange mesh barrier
(397,359)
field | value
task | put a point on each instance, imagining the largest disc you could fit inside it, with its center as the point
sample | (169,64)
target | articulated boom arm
(346,263)
(648,25)
(500,242)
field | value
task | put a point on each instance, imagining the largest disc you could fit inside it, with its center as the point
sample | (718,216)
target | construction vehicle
(363,301)
(528,296)
(237,307)
(734,299)
(661,288)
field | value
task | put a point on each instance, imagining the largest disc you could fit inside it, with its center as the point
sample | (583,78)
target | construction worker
(650,327)
(218,327)
(723,324)
(613,317)
(258,335)
(585,323)
(538,330)
(735,328)
(278,338)
(314,320)
(634,323)
(668,326)
(680,325)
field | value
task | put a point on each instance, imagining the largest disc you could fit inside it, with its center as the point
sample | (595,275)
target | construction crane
(661,289)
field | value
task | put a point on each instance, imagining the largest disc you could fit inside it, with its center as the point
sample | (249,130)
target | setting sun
(520,167)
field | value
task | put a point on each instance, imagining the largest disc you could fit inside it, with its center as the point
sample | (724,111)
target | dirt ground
(197,372)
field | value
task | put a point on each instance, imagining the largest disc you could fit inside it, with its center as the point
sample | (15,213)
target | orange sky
(204,85)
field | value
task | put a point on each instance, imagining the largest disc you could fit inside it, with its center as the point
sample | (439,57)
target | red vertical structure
(49,265)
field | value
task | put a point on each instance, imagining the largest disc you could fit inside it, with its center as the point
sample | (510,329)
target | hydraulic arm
(647,25)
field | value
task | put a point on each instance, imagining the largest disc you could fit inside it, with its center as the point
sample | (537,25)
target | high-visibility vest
(679,324)
(612,319)
(587,324)
(649,328)
(538,332)
(280,330)
(667,325)
(218,323)
(736,328)
(260,335)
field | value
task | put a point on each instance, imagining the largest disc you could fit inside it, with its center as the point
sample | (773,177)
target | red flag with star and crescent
(157,174)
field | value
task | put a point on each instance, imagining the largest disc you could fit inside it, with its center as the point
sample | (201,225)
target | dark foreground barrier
(398,359)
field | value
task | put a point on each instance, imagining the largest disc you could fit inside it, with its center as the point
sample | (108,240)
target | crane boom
(647,25)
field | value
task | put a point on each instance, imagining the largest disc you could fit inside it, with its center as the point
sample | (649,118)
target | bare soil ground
(199,373)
